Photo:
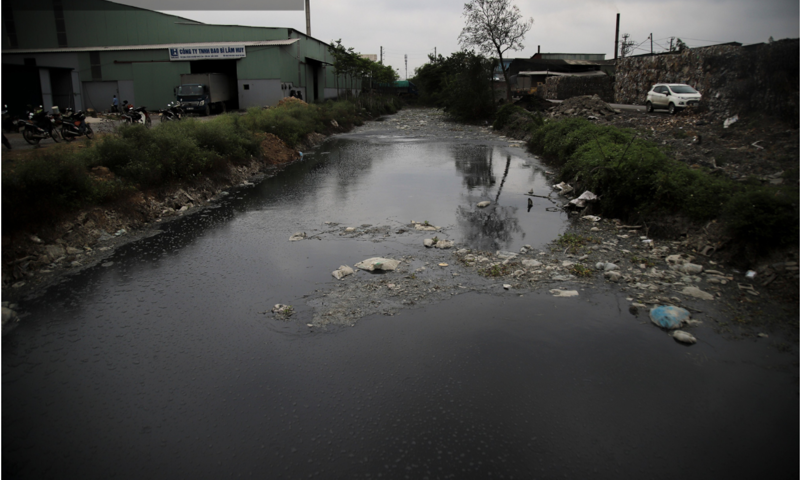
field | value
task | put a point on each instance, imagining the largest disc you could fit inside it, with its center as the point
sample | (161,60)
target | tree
(459,84)
(349,64)
(494,27)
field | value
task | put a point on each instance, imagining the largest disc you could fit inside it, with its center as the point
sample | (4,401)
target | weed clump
(497,270)
(573,242)
(581,271)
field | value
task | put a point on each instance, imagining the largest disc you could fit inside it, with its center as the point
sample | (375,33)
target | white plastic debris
(585,197)
(750,275)
(484,204)
(378,263)
(730,121)
(591,218)
(342,272)
(564,293)
(297,236)
(684,337)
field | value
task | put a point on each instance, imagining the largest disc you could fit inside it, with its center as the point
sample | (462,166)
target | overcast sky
(415,27)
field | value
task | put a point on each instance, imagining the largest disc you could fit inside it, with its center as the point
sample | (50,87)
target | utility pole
(406,56)
(381,55)
(616,39)
(434,53)
(670,43)
(651,42)
(308,18)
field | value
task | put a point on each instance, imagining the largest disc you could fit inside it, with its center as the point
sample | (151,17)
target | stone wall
(732,79)
(564,87)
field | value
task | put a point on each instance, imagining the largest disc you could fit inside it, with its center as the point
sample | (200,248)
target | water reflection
(490,228)
(474,163)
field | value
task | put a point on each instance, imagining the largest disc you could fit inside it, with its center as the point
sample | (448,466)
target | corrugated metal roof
(249,43)
(593,73)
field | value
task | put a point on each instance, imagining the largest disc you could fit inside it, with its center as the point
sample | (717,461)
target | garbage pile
(533,103)
(591,107)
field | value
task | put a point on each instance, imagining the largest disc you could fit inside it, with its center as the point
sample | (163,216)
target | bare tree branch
(494,27)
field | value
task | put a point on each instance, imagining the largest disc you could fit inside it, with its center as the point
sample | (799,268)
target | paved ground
(621,106)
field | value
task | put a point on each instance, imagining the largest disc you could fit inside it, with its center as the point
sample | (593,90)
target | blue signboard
(206,52)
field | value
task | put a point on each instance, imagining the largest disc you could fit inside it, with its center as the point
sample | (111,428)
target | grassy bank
(637,180)
(60,179)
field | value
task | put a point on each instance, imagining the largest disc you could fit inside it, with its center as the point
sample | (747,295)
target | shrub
(763,217)
(505,113)
(50,184)
(636,178)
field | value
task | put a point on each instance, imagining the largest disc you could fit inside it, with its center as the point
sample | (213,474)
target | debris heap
(591,107)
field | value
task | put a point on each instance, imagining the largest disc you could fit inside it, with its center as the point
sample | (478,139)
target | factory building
(80,53)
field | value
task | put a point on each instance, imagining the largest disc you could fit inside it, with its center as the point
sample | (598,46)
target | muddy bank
(33,260)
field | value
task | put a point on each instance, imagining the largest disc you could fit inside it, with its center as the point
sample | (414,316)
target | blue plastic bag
(668,317)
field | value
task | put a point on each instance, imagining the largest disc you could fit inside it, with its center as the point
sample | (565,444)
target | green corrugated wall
(99,23)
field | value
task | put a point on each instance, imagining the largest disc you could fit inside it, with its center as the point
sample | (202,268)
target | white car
(672,96)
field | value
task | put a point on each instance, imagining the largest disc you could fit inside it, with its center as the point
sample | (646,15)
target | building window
(247,86)
(29,62)
(97,71)
(61,28)
(11,28)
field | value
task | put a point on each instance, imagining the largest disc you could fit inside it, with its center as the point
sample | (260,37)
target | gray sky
(415,27)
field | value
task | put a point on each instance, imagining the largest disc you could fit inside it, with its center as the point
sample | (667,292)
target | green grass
(636,179)
(573,242)
(580,271)
(499,270)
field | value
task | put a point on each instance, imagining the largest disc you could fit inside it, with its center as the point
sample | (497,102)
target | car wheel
(208,110)
(671,108)
(648,107)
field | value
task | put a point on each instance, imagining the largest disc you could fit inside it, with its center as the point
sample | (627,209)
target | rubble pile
(564,87)
(591,107)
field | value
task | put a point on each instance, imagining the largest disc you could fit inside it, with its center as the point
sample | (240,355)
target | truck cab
(194,98)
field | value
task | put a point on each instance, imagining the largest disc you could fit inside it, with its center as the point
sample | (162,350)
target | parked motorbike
(137,115)
(74,125)
(174,111)
(9,122)
(39,125)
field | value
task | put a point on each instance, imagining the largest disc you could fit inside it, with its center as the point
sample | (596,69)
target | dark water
(163,366)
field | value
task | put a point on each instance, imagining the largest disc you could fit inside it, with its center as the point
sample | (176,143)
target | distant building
(370,56)
(527,73)
(79,53)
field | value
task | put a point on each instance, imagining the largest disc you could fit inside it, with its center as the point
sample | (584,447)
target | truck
(202,92)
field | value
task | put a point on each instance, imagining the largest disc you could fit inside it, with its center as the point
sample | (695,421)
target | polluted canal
(166,360)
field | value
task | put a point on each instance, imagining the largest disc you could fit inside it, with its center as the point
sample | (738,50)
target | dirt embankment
(753,148)
(35,257)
